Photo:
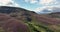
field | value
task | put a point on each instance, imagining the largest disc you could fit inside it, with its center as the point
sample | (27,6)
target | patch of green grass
(38,28)
(1,29)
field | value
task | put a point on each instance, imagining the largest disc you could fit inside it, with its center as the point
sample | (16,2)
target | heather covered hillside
(9,24)
(16,19)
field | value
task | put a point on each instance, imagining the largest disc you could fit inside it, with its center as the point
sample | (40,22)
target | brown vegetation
(10,24)
(48,20)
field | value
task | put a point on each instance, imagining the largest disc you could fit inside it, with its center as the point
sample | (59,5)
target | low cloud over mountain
(48,9)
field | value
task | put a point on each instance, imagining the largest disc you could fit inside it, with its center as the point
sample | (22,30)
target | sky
(32,5)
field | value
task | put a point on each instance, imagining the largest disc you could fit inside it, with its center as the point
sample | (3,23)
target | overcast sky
(33,5)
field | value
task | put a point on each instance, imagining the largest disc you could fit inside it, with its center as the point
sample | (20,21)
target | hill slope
(36,22)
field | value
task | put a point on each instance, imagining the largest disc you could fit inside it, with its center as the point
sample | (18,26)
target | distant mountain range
(46,11)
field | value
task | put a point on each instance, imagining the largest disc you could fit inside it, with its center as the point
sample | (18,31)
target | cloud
(47,2)
(39,9)
(26,0)
(4,1)
(31,1)
(8,3)
(47,9)
(49,5)
(56,9)
(43,2)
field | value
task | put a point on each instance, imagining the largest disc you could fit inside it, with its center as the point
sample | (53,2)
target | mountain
(48,10)
(15,11)
(7,9)
(35,22)
(55,14)
(56,9)
(45,11)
